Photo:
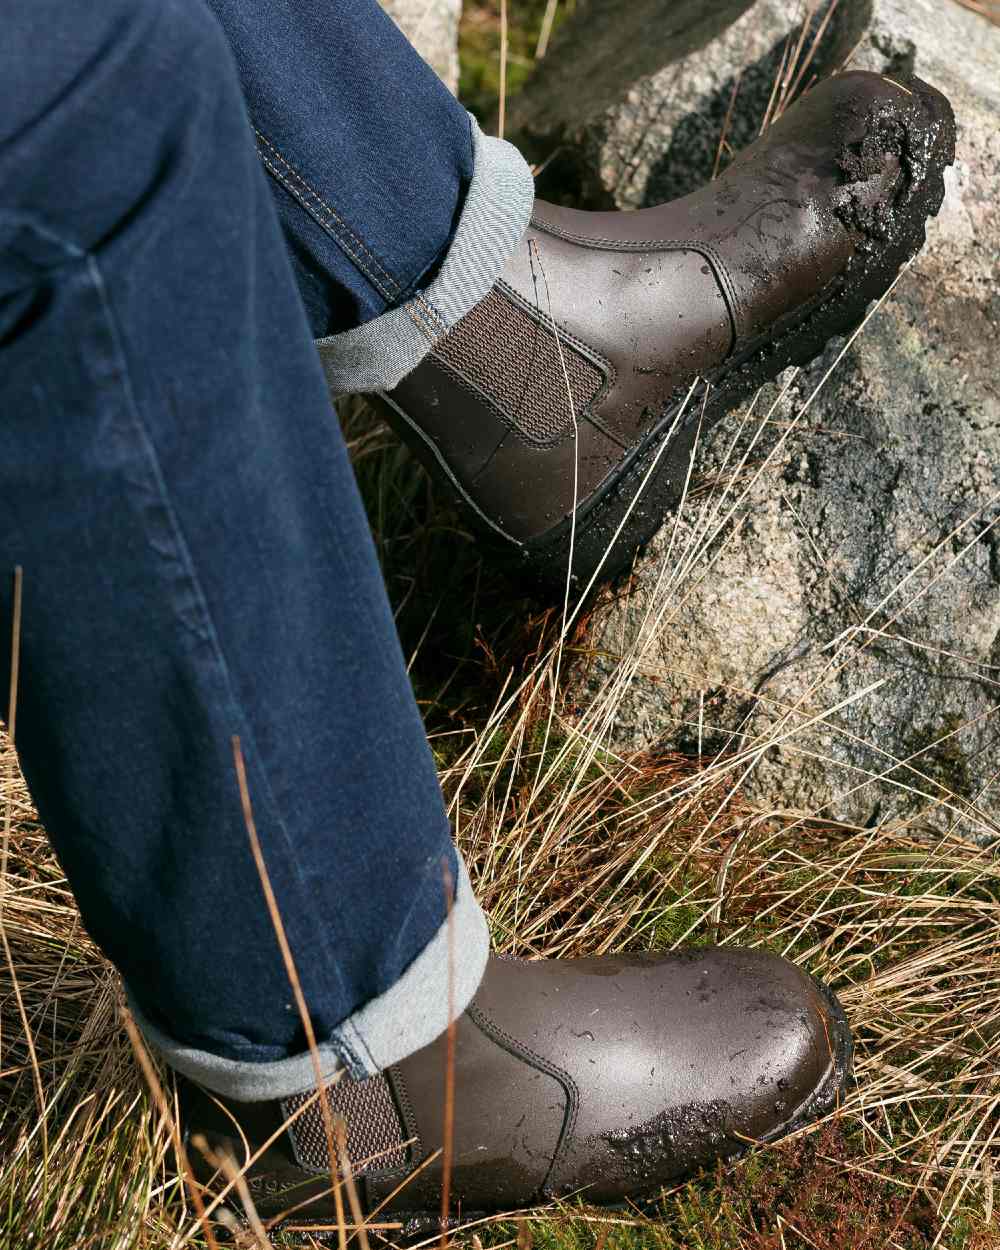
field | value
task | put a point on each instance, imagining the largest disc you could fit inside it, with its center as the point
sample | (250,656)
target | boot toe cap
(733,1047)
(770,1032)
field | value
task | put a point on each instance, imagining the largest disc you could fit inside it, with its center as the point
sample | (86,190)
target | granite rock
(842,616)
(432,28)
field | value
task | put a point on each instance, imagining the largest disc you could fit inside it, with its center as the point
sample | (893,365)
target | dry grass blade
(168,1117)
(502,109)
(796,59)
(775,87)
(448,1135)
(15,651)
(300,1002)
(227,1165)
(990,9)
(545,31)
(340,1129)
(15,669)
(549,321)
(807,60)
(727,121)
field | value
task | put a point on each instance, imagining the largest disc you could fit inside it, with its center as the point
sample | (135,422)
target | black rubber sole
(620,518)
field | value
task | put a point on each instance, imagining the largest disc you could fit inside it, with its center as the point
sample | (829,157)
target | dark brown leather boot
(558,395)
(606,1078)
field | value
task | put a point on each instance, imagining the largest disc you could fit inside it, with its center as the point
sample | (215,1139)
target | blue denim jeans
(196,560)
(360,138)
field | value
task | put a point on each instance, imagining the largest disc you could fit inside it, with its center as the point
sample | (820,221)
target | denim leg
(323,83)
(398,213)
(197,564)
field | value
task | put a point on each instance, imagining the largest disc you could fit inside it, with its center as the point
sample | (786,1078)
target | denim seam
(427,317)
(378,354)
(340,241)
(22,220)
(419,300)
(356,1068)
(210,636)
(436,323)
(436,320)
(395,288)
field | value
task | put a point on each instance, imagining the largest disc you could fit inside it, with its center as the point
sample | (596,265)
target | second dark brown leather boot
(553,410)
(607,1078)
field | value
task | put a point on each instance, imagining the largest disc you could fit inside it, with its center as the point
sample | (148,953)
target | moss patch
(479,49)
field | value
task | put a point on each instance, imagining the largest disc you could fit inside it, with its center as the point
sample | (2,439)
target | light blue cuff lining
(406,1017)
(379,354)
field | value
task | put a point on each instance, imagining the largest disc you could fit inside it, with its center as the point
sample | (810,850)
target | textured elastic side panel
(375,1132)
(521,366)
(377,356)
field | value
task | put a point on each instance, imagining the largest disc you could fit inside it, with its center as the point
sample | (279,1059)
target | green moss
(679,922)
(479,49)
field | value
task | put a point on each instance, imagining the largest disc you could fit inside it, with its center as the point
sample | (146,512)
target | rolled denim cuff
(397,1023)
(377,356)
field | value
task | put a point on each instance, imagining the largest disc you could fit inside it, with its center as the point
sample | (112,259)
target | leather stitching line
(686,245)
(725,278)
(716,382)
(520,1051)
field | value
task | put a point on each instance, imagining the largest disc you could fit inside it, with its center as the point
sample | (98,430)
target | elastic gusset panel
(521,367)
(375,1132)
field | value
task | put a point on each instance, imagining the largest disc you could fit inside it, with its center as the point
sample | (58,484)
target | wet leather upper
(613,1075)
(665,294)
(607,1076)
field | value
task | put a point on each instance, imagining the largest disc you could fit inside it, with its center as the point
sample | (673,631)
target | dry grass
(575,848)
